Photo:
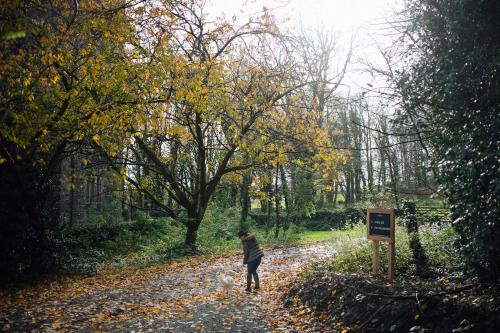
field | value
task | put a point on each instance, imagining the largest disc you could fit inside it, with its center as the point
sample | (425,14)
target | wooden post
(392,259)
(376,257)
(380,226)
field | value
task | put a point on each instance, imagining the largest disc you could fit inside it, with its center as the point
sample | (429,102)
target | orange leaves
(169,293)
(324,316)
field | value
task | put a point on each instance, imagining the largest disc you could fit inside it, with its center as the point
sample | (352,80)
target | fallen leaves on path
(179,296)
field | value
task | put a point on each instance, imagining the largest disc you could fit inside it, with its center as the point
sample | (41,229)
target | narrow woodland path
(181,296)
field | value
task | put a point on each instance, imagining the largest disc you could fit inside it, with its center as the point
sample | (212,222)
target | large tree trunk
(195,216)
(192,224)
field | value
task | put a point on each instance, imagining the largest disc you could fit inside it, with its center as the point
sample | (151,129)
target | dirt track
(181,296)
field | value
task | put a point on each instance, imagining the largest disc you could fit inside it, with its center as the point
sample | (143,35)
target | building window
(93,190)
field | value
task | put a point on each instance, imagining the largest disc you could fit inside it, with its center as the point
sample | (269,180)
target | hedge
(321,220)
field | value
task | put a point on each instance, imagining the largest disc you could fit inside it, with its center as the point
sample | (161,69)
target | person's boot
(249,286)
(257,282)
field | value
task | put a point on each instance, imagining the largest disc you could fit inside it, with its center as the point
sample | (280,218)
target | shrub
(322,220)
(326,220)
(291,236)
(142,241)
(355,255)
(219,228)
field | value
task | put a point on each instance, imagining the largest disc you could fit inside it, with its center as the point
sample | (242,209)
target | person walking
(252,258)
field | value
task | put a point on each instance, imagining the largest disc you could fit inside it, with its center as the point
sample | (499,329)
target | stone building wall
(90,192)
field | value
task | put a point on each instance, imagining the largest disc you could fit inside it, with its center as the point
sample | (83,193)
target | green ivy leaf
(14,35)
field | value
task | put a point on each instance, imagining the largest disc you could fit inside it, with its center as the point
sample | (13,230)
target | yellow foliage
(233,178)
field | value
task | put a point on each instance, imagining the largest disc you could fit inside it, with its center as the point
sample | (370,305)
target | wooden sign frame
(392,224)
(377,239)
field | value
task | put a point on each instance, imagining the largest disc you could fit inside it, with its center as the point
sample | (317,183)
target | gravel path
(182,296)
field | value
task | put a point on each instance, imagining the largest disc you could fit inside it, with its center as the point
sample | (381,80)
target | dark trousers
(252,270)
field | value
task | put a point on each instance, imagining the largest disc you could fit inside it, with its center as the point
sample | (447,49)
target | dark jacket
(251,249)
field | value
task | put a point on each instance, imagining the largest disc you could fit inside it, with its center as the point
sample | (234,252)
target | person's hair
(242,233)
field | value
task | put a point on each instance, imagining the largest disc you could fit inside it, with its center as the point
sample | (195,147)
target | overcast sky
(361,18)
(341,15)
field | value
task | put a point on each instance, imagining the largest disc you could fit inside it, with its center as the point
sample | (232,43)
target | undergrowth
(345,296)
(139,242)
(355,253)
(148,240)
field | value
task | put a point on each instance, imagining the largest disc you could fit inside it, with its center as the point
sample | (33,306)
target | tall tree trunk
(347,196)
(321,201)
(357,185)
(175,156)
(268,216)
(382,177)
(335,193)
(245,199)
(269,205)
(329,198)
(286,195)
(72,192)
(358,172)
(232,196)
(265,202)
(277,203)
(393,175)
(369,158)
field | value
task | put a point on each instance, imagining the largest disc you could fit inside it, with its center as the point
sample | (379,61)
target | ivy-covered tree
(450,85)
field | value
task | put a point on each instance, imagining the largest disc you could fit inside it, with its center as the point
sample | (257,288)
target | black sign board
(380,224)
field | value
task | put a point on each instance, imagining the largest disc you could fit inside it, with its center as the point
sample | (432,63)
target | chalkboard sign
(380,224)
